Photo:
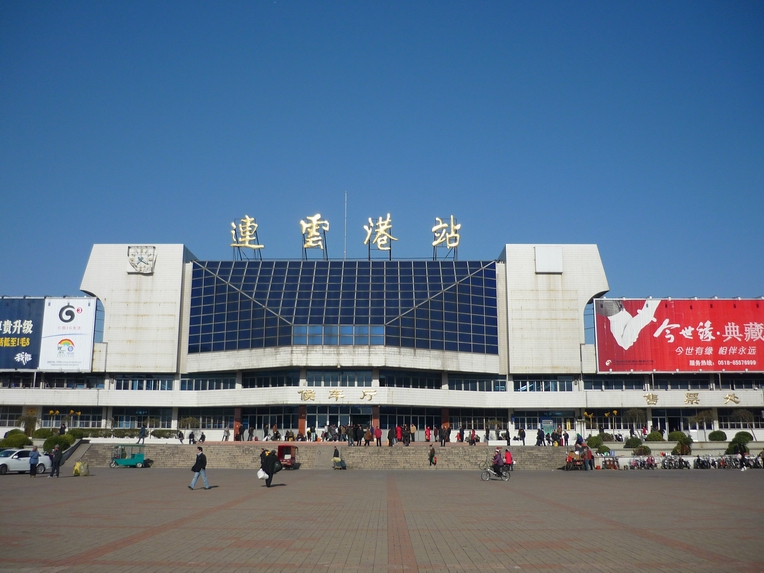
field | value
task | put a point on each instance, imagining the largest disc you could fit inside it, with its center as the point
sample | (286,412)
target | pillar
(303,419)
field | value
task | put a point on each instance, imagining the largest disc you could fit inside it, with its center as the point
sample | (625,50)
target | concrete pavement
(130,520)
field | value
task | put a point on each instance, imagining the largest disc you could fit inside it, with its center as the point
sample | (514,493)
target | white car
(16,460)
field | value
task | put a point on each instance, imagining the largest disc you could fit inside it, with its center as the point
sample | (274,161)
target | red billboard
(664,335)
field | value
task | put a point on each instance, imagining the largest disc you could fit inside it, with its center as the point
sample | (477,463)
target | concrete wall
(548,288)
(142,312)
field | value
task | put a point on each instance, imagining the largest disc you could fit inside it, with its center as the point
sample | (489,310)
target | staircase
(246,455)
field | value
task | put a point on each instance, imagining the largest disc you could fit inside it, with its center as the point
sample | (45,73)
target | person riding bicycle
(498,462)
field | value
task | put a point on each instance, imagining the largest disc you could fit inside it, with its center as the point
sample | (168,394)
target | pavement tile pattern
(146,520)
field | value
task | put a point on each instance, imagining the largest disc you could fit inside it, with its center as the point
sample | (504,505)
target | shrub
(677,436)
(682,449)
(17,440)
(125,433)
(42,433)
(717,436)
(13,432)
(742,437)
(97,433)
(76,433)
(594,442)
(642,451)
(654,437)
(607,437)
(61,441)
(603,449)
(164,433)
(633,443)
(735,447)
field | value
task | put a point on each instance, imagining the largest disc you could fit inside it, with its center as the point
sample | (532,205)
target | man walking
(142,435)
(200,468)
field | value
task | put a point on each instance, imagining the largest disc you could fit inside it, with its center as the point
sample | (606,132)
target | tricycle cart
(130,456)
(575,461)
(288,456)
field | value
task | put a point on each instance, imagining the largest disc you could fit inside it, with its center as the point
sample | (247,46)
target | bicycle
(489,474)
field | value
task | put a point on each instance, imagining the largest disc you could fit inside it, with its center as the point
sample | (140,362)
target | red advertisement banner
(646,335)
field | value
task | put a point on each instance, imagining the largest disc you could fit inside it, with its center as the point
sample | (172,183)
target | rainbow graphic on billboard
(65,346)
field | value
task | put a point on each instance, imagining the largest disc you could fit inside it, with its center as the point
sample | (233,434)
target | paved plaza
(147,520)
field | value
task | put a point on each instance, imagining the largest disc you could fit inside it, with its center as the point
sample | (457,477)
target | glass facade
(224,382)
(404,379)
(339,378)
(543,383)
(134,383)
(436,305)
(134,417)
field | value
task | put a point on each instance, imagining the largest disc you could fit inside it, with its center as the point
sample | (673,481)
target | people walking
(268,460)
(55,458)
(226,434)
(378,436)
(142,435)
(431,455)
(200,469)
(390,437)
(521,434)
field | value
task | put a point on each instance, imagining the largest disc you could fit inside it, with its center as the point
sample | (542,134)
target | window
(339,378)
(205,418)
(208,383)
(72,416)
(532,420)
(477,383)
(256,304)
(543,383)
(135,417)
(9,415)
(143,384)
(403,379)
(271,379)
(477,418)
(609,382)
(681,383)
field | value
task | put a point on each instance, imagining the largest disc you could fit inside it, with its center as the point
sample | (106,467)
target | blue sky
(638,126)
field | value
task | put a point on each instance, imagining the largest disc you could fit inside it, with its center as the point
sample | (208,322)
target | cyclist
(498,462)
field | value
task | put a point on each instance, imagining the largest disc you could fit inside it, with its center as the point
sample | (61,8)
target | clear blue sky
(638,126)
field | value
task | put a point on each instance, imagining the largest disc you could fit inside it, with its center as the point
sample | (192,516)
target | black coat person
(269,460)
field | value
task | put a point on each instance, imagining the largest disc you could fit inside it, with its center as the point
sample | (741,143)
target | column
(303,419)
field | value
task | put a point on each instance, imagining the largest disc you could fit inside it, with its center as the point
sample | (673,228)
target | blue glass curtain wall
(437,305)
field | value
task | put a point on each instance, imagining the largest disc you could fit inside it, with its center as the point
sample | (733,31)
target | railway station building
(526,339)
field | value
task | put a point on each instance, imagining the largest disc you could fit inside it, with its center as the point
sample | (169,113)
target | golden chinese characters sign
(311,231)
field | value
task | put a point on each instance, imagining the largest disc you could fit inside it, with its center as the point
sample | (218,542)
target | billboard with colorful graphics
(67,334)
(20,332)
(665,335)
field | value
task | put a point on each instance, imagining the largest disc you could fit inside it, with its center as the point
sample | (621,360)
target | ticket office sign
(661,335)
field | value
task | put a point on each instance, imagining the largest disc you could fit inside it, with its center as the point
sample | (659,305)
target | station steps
(246,455)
